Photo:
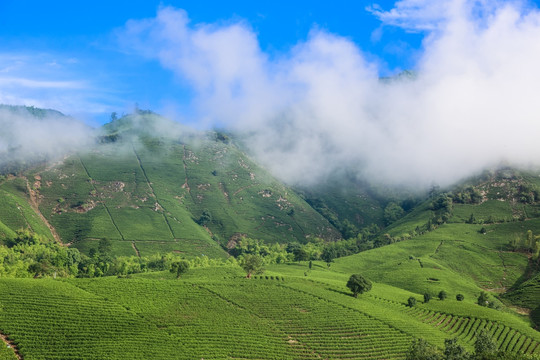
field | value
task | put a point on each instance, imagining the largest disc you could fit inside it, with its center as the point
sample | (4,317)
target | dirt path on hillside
(135,248)
(34,203)
(10,344)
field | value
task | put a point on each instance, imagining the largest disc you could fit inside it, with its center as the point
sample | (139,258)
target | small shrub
(442,295)
(460,297)
(483,299)
(427,297)
(411,302)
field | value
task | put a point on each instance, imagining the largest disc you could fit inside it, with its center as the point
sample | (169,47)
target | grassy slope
(217,313)
(347,198)
(148,192)
(6,353)
(16,212)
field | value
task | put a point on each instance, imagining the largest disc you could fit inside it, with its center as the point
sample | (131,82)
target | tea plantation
(138,248)
(216,313)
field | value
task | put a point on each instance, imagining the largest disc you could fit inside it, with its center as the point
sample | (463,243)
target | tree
(179,267)
(104,246)
(300,254)
(422,350)
(328,255)
(392,212)
(484,346)
(411,302)
(454,351)
(348,230)
(483,299)
(252,264)
(310,264)
(460,297)
(442,295)
(358,284)
(427,297)
(205,218)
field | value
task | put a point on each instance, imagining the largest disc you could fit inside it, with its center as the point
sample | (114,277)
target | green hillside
(150,185)
(103,227)
(216,313)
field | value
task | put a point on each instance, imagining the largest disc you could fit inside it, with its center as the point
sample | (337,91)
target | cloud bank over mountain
(322,106)
(45,134)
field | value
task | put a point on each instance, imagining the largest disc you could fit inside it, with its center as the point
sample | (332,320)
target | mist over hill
(31,135)
(321,106)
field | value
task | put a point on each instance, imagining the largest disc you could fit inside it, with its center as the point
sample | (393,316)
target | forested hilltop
(151,231)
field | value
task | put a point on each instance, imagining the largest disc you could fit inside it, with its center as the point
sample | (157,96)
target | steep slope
(17,211)
(151,186)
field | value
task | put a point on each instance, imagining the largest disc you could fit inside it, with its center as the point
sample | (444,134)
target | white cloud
(321,106)
(27,137)
(416,15)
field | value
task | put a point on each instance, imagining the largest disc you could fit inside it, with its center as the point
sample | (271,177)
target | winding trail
(11,345)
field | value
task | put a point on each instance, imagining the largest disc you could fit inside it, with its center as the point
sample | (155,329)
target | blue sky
(302,78)
(74,43)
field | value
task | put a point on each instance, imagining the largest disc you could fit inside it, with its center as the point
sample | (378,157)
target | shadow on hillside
(531,270)
(535,316)
(340,292)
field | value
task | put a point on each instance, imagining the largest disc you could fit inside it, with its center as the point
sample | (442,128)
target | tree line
(30,255)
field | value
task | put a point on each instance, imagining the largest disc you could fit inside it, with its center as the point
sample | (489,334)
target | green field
(216,313)
(87,242)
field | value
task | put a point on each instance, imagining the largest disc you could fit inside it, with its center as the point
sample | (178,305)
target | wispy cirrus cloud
(40,84)
(53,81)
(416,15)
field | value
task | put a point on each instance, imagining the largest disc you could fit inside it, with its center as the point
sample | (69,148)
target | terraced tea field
(216,313)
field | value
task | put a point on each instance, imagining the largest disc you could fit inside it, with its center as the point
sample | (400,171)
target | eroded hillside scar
(135,248)
(34,204)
